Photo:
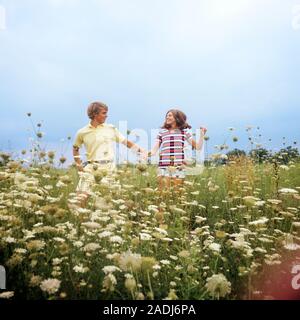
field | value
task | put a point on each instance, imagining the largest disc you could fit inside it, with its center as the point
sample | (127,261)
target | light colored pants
(172,172)
(92,174)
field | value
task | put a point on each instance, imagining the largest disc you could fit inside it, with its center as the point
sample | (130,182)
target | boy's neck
(95,123)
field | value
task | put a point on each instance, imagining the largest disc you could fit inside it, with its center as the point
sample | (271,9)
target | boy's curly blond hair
(94,109)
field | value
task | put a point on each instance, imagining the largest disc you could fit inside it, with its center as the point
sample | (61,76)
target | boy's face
(101,116)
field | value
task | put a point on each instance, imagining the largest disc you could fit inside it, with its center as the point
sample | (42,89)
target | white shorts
(89,177)
(171,172)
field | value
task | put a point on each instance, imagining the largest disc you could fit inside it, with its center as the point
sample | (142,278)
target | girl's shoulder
(187,131)
(163,131)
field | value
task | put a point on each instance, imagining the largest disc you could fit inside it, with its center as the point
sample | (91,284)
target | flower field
(213,239)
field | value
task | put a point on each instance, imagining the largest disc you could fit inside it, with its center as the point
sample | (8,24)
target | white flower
(250,200)
(145,236)
(218,286)
(130,261)
(60,184)
(20,250)
(165,262)
(20,178)
(274,201)
(289,244)
(57,261)
(288,191)
(58,239)
(200,219)
(178,210)
(78,244)
(215,247)
(109,283)
(162,231)
(116,239)
(6,295)
(10,240)
(239,242)
(260,203)
(284,167)
(80,269)
(50,286)
(156,267)
(91,225)
(110,269)
(105,234)
(296,224)
(90,247)
(259,222)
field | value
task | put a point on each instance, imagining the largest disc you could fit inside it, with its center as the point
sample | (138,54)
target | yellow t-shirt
(99,142)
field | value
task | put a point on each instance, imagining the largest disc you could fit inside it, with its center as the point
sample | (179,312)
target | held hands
(142,153)
(147,155)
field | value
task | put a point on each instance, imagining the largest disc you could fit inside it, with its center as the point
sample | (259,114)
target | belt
(100,161)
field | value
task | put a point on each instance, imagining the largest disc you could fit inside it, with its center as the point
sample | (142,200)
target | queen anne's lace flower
(218,286)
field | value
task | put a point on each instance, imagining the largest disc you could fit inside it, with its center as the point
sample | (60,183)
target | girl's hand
(203,130)
(144,155)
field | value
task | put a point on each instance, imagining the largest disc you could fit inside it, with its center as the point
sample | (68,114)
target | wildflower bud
(62,160)
(42,154)
(172,295)
(141,167)
(51,154)
(140,296)
(130,284)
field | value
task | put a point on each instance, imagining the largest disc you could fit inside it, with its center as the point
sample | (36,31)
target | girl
(171,140)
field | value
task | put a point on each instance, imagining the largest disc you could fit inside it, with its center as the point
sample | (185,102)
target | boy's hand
(79,167)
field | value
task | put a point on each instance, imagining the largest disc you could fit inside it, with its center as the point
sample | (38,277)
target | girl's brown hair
(180,119)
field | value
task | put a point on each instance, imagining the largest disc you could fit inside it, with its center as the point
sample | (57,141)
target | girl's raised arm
(198,145)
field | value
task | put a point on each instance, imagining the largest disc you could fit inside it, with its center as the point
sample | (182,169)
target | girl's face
(170,120)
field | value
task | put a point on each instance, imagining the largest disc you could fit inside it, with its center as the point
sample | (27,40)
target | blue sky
(226,63)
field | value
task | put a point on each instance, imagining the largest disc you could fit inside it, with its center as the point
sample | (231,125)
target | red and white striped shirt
(172,146)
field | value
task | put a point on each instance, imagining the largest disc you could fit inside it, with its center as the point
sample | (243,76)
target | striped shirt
(172,146)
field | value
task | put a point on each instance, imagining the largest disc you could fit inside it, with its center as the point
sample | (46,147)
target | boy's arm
(130,145)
